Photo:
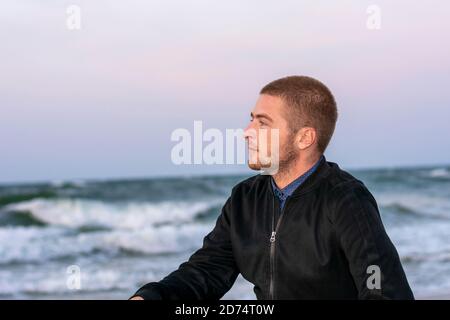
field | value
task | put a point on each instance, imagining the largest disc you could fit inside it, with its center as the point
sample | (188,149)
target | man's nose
(248,130)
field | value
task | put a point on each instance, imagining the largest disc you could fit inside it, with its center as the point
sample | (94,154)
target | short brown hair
(310,104)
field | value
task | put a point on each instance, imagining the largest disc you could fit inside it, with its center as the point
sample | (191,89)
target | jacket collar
(288,190)
(322,171)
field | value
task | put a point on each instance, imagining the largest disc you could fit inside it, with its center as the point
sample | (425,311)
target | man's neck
(285,176)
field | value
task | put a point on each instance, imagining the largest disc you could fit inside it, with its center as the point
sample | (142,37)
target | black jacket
(323,245)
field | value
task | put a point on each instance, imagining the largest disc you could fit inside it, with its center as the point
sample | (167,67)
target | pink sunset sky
(102,101)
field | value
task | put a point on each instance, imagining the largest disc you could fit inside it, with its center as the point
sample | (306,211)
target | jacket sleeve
(207,275)
(367,247)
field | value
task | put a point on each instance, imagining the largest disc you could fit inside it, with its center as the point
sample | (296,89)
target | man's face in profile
(269,115)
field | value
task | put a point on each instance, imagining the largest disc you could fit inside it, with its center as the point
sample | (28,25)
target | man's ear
(306,137)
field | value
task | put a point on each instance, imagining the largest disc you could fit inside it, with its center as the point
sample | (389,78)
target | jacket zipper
(272,246)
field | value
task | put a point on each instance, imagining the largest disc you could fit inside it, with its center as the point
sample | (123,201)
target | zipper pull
(272,237)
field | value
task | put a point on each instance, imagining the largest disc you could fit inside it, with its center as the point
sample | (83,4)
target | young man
(309,231)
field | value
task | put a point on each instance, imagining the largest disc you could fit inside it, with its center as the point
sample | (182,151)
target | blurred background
(91,91)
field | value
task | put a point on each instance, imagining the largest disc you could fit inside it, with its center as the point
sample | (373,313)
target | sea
(103,239)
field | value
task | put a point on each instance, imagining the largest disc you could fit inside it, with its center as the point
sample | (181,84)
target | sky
(102,101)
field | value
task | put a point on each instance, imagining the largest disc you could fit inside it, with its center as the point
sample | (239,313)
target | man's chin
(258,166)
(254,166)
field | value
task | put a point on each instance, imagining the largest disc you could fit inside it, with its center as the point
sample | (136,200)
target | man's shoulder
(340,181)
(347,191)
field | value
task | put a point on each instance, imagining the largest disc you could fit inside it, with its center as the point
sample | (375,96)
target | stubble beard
(287,158)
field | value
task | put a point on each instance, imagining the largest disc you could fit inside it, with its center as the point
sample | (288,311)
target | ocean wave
(54,283)
(415,205)
(437,173)
(20,218)
(440,173)
(430,257)
(37,245)
(415,213)
(429,242)
(68,184)
(78,213)
(21,197)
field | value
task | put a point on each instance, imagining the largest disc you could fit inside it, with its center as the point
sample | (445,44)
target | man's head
(304,112)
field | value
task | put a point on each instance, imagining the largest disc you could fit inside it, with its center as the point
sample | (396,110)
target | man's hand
(137,298)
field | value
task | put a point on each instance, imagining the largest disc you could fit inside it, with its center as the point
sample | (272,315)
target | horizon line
(204,175)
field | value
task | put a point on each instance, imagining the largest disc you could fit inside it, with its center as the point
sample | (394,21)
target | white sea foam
(75,213)
(439,173)
(34,244)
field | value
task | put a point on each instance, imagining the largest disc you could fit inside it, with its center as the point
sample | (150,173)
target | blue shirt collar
(283,194)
